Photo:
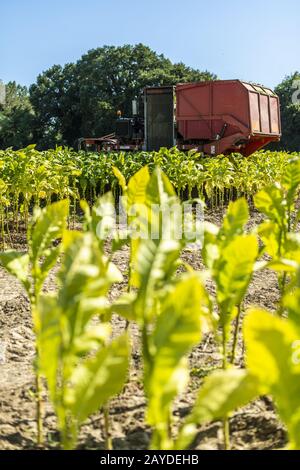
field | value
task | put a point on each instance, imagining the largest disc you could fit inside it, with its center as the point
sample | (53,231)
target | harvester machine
(214,117)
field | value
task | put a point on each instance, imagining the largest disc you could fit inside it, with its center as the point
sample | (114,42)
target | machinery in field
(215,117)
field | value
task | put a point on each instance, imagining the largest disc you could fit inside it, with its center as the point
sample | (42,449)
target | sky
(257,40)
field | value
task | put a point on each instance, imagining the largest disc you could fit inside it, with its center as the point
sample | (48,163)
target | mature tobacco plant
(33,177)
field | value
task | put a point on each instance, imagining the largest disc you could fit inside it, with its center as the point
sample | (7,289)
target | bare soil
(253,427)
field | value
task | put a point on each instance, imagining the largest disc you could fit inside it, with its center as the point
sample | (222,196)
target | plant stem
(39,415)
(68,433)
(236,334)
(2,228)
(226,431)
(38,381)
(282,285)
(224,348)
(108,441)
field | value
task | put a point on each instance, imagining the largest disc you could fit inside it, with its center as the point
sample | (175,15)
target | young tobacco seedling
(32,269)
(278,232)
(272,357)
(4,202)
(221,393)
(84,368)
(272,368)
(171,313)
(229,255)
(134,203)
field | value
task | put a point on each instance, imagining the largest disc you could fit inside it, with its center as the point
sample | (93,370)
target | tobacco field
(110,339)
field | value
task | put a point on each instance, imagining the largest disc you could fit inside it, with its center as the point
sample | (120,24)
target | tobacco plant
(33,177)
(278,232)
(229,255)
(84,367)
(32,269)
(272,368)
(171,312)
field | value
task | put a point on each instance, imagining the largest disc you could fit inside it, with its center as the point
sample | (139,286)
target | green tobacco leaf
(157,221)
(48,227)
(49,342)
(82,369)
(230,256)
(85,277)
(222,393)
(233,272)
(93,337)
(270,235)
(17,264)
(124,306)
(291,181)
(179,326)
(216,239)
(103,217)
(292,303)
(121,178)
(87,213)
(155,265)
(136,189)
(159,189)
(155,257)
(98,379)
(134,200)
(272,345)
(270,202)
(211,250)
(236,217)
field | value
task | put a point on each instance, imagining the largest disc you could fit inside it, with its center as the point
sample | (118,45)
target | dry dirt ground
(253,427)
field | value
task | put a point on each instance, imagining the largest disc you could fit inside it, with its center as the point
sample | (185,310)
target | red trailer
(226,116)
(215,117)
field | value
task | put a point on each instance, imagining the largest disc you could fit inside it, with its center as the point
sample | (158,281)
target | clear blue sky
(255,40)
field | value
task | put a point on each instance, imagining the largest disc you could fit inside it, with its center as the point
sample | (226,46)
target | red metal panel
(193,100)
(227,115)
(254,111)
(202,109)
(195,128)
(274,115)
(231,98)
(264,114)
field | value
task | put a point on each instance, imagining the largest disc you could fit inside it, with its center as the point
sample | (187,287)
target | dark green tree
(55,99)
(82,99)
(16,117)
(289,94)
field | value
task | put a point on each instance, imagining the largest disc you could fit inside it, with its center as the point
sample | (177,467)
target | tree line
(82,98)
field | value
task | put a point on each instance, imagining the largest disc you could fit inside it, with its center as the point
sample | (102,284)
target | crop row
(29,177)
(85,366)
